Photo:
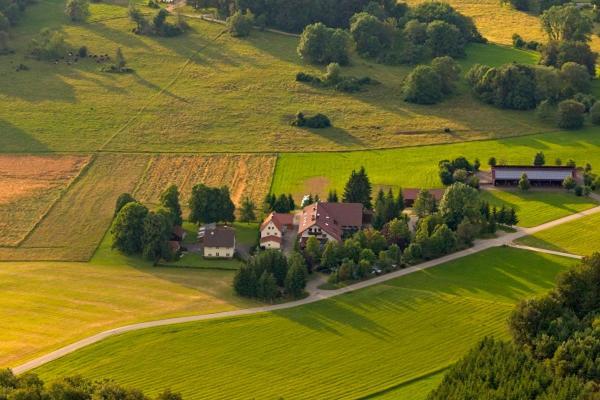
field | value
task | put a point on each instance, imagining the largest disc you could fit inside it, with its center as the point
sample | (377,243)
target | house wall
(270,230)
(318,233)
(271,245)
(219,252)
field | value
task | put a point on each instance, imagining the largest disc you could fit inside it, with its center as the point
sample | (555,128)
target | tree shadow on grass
(14,139)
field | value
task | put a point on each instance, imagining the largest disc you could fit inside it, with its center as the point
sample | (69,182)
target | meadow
(581,237)
(538,206)
(354,345)
(417,167)
(30,185)
(51,304)
(164,105)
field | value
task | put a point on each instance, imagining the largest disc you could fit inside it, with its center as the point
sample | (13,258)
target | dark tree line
(554,354)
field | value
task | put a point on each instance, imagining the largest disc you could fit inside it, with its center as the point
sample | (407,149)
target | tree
(575,79)
(168,395)
(449,72)
(137,16)
(595,114)
(266,288)
(245,282)
(358,189)
(539,159)
(329,257)
(569,183)
(322,45)
(170,200)
(492,162)
(332,196)
(240,24)
(460,201)
(247,210)
(156,232)
(50,44)
(122,200)
(295,280)
(312,251)
(444,39)
(423,86)
(128,228)
(209,205)
(424,204)
(558,53)
(77,10)
(372,36)
(510,86)
(120,62)
(524,184)
(566,23)
(431,11)
(570,114)
(397,232)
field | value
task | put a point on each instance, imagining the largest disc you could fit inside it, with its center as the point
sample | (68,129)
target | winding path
(315,294)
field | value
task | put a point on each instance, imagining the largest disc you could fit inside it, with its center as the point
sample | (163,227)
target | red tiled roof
(279,219)
(270,238)
(412,194)
(331,217)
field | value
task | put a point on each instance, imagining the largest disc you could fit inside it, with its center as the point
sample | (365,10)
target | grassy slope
(578,237)
(350,346)
(49,305)
(417,166)
(539,206)
(61,107)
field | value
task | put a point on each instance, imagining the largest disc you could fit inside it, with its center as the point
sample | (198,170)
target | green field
(416,167)
(580,237)
(351,346)
(538,206)
(60,107)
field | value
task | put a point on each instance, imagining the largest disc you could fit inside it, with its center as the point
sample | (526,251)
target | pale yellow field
(245,175)
(29,185)
(51,304)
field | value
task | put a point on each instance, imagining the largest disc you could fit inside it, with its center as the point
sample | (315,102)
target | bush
(444,39)
(240,24)
(82,52)
(307,78)
(317,121)
(570,114)
(77,10)
(423,86)
(595,114)
(49,44)
(322,45)
(518,41)
(372,36)
(588,100)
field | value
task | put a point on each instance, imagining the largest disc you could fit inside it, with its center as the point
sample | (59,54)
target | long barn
(538,176)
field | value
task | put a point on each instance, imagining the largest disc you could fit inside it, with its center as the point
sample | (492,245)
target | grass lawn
(580,237)
(416,167)
(46,305)
(163,105)
(536,207)
(363,343)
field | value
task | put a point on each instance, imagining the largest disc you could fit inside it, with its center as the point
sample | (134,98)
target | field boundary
(405,383)
(84,169)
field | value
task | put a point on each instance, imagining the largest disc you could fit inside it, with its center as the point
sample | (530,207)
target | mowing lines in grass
(363,342)
(75,225)
(30,185)
(581,237)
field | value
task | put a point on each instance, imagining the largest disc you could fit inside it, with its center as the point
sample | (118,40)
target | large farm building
(538,176)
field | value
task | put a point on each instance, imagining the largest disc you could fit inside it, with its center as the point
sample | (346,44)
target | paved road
(315,293)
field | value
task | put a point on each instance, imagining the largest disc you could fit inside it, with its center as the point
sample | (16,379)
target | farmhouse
(330,221)
(273,228)
(219,242)
(410,195)
(538,176)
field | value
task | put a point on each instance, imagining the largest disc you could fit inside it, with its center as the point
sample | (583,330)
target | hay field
(75,225)
(29,185)
(348,347)
(245,175)
(46,305)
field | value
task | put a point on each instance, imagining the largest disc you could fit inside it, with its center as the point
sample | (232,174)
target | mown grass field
(581,237)
(76,223)
(204,94)
(30,185)
(49,305)
(245,175)
(417,167)
(350,346)
(538,206)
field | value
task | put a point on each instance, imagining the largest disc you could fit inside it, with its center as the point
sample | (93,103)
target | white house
(273,228)
(219,243)
(330,221)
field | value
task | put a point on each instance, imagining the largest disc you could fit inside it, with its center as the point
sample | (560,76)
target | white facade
(271,244)
(270,230)
(219,252)
(317,232)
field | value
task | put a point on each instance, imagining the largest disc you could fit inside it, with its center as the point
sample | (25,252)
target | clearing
(417,167)
(30,185)
(538,206)
(76,223)
(164,105)
(367,341)
(581,237)
(245,175)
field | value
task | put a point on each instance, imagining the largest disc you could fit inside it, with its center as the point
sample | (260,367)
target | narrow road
(546,251)
(315,294)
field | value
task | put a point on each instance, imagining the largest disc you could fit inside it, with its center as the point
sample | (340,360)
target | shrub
(518,41)
(307,78)
(444,39)
(449,72)
(371,35)
(423,86)
(317,121)
(48,45)
(570,114)
(322,45)
(240,24)
(595,113)
(82,52)
(77,10)
(588,100)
